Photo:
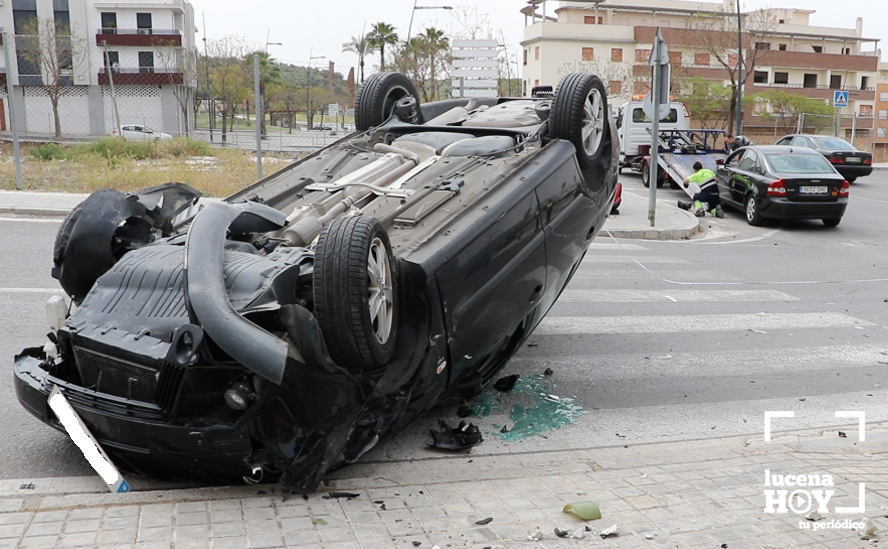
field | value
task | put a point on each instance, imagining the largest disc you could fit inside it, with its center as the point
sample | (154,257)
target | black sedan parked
(849,161)
(285,331)
(777,182)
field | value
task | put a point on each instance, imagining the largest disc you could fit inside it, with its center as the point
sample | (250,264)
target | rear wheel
(753,217)
(354,293)
(579,115)
(832,221)
(378,97)
(646,174)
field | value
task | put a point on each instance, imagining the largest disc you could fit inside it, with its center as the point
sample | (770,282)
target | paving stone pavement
(699,494)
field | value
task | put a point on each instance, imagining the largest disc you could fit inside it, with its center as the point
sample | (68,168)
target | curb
(34,212)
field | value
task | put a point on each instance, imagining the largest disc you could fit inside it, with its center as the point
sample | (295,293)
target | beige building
(613,38)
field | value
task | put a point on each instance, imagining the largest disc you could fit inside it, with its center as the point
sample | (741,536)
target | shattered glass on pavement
(532,409)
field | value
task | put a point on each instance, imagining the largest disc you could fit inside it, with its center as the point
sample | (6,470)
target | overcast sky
(319,28)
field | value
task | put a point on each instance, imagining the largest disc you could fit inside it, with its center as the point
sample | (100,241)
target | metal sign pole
(13,124)
(659,94)
(259,114)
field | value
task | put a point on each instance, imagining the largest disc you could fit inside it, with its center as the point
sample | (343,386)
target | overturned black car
(289,328)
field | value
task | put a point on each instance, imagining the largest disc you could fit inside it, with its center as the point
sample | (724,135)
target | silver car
(135,132)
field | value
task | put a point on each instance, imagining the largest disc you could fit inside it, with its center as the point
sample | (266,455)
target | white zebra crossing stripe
(578,325)
(671,296)
(597,258)
(617,247)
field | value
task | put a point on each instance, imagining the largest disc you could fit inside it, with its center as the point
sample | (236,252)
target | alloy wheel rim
(379,291)
(593,122)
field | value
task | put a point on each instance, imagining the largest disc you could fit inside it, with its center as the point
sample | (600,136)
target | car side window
(734,161)
(748,162)
(785,141)
(801,142)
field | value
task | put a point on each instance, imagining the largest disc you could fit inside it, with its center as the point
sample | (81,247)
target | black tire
(579,115)
(376,99)
(353,274)
(832,221)
(646,174)
(753,217)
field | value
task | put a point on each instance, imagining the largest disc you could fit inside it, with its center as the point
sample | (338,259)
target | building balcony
(139,37)
(816,92)
(817,61)
(142,76)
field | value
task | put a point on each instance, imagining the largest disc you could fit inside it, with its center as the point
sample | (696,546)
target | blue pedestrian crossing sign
(840,98)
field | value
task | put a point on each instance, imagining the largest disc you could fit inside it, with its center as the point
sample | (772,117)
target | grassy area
(130,166)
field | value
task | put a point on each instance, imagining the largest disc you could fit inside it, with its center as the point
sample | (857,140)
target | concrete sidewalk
(632,222)
(707,493)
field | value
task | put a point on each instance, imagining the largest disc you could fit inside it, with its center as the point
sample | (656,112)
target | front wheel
(832,221)
(354,293)
(753,217)
(646,174)
(579,115)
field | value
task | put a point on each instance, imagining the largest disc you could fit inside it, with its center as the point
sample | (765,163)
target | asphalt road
(653,341)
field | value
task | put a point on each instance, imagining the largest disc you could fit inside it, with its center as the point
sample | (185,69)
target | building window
(763,45)
(760,77)
(701,59)
(143,23)
(616,86)
(525,56)
(781,78)
(880,132)
(810,81)
(642,56)
(759,107)
(818,49)
(61,16)
(24,16)
(846,51)
(109,23)
(617,54)
(591,19)
(883,96)
(536,53)
(113,61)
(146,61)
(675,57)
(864,82)
(781,47)
(883,114)
(588,53)
(866,111)
(733,59)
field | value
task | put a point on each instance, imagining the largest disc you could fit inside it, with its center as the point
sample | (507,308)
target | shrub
(48,151)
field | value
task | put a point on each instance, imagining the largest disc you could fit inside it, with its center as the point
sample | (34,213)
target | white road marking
(31,220)
(617,247)
(31,291)
(596,258)
(675,296)
(649,324)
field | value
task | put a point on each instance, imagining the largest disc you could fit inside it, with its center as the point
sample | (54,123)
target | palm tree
(269,73)
(381,35)
(361,47)
(435,43)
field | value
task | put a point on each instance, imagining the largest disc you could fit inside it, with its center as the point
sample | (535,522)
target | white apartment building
(613,38)
(138,49)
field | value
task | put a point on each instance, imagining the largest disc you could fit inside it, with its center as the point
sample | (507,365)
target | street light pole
(415,7)
(13,120)
(308,89)
(739,72)
(211,110)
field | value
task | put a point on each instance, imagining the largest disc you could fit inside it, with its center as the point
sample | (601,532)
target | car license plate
(814,189)
(852,160)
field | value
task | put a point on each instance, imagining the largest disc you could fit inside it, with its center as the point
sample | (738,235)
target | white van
(633,125)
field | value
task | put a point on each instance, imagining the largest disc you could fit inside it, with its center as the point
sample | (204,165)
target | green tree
(785,109)
(229,82)
(382,35)
(434,43)
(708,102)
(360,46)
(269,73)
(49,50)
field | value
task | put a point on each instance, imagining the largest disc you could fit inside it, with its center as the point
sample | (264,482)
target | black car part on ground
(414,261)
